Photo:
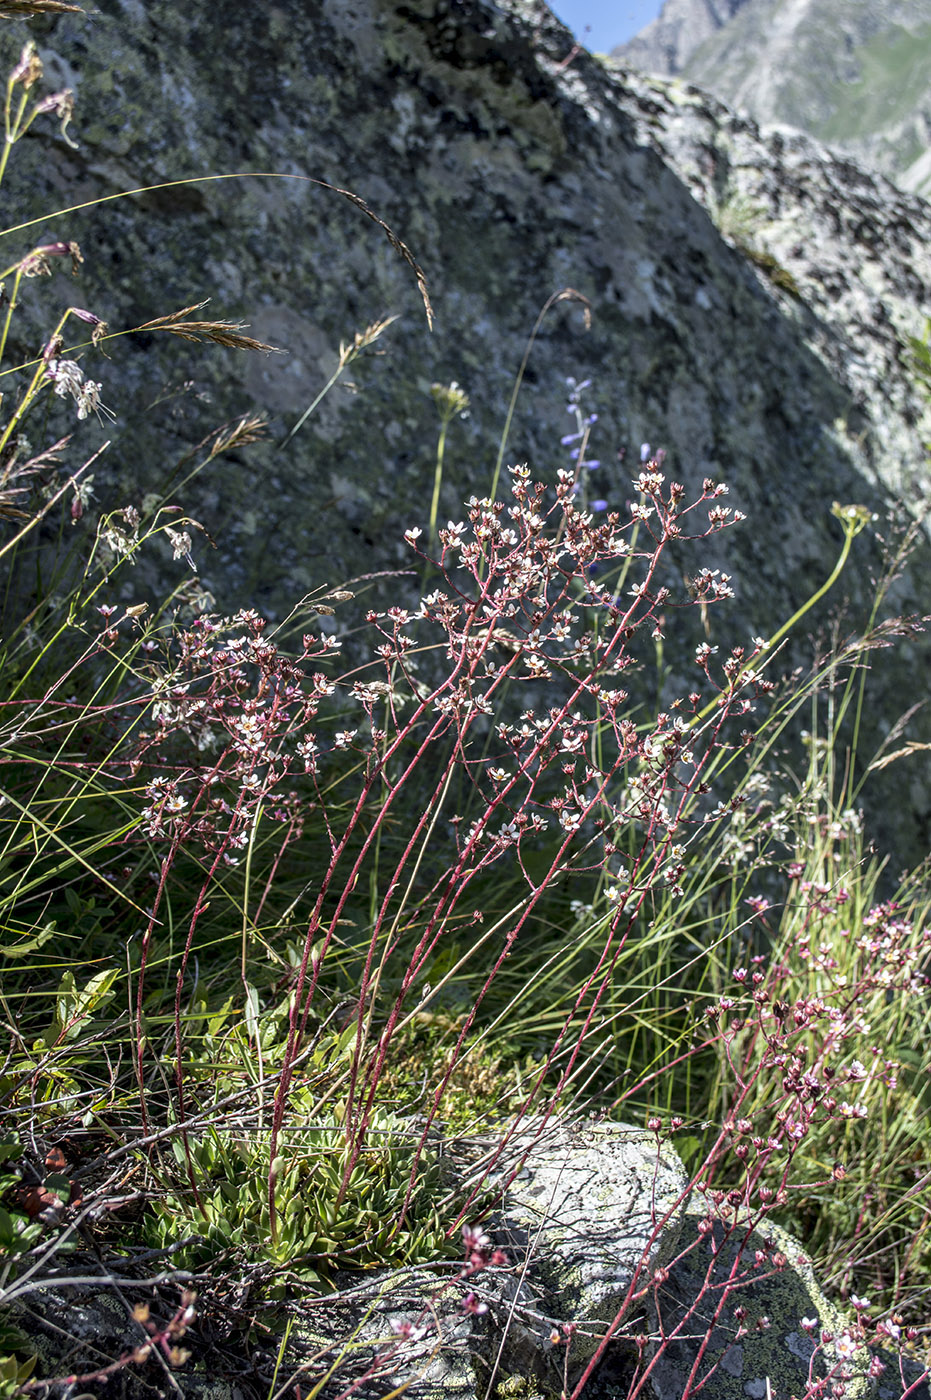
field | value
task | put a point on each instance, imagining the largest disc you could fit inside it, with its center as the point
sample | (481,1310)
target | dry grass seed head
(363,339)
(21,9)
(228,333)
(240,435)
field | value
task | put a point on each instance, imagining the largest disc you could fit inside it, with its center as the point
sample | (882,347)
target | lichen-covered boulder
(513,166)
(408,1327)
(592,1211)
(742,1316)
(588,1211)
(612,1272)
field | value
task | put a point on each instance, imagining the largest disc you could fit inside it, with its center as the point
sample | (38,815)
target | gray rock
(359,1333)
(732,1324)
(588,1217)
(667,42)
(600,1232)
(592,1210)
(511,174)
(78,1331)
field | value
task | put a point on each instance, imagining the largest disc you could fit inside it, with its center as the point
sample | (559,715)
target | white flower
(66,375)
(180,542)
(88,401)
(413,534)
(846,1346)
(68,378)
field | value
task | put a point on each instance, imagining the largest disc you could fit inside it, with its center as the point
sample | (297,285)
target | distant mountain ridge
(666,44)
(855,74)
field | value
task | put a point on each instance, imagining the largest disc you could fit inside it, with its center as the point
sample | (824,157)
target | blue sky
(612,21)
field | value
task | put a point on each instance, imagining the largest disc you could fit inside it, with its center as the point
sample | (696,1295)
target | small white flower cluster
(165,808)
(712,586)
(116,537)
(67,377)
(308,749)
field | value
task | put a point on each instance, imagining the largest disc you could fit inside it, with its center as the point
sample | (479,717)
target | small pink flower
(474,1239)
(408,1331)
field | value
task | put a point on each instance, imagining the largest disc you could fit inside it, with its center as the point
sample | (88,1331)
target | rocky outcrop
(511,173)
(602,1242)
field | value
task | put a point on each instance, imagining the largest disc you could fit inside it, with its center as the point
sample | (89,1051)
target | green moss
(518,1388)
(779,276)
(482,1087)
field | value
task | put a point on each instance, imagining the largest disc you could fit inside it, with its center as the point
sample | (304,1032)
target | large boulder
(512,168)
(742,1316)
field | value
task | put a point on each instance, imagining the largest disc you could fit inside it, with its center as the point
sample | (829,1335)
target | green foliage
(14,1372)
(28,1216)
(836,944)
(779,276)
(336,1209)
(518,1388)
(18,1233)
(920,354)
(486,1085)
(890,86)
(222,1209)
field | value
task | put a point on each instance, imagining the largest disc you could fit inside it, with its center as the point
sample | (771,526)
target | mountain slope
(853,73)
(666,44)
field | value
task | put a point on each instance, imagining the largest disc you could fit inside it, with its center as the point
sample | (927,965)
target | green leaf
(6,1230)
(10,1148)
(28,945)
(252,1013)
(73,1006)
